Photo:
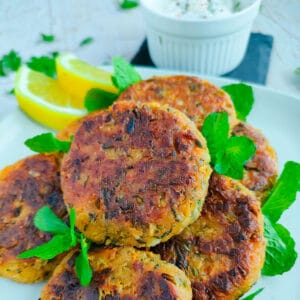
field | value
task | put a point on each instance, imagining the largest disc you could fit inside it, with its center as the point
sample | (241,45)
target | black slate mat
(253,68)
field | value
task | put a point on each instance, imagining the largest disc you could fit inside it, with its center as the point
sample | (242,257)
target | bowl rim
(241,13)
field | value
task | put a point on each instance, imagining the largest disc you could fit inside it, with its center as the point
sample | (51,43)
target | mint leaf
(9,62)
(46,142)
(124,73)
(82,265)
(57,245)
(72,217)
(230,162)
(280,253)
(127,4)
(43,64)
(86,41)
(253,295)
(96,99)
(284,193)
(216,131)
(47,38)
(46,220)
(242,98)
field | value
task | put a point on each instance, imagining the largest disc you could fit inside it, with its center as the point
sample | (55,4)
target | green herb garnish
(216,131)
(127,4)
(98,99)
(47,38)
(280,253)
(46,142)
(10,62)
(242,97)
(11,92)
(64,239)
(297,71)
(124,74)
(44,64)
(284,193)
(82,265)
(46,220)
(86,41)
(253,295)
(228,154)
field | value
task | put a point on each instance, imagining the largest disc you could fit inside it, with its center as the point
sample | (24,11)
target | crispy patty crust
(196,97)
(136,174)
(261,171)
(25,187)
(223,252)
(120,273)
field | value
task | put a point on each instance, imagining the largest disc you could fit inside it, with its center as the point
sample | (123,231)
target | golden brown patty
(25,187)
(261,171)
(136,174)
(120,273)
(222,253)
(195,97)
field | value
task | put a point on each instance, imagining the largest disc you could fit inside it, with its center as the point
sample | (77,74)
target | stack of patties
(138,177)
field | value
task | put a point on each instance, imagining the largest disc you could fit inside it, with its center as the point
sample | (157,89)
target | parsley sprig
(47,143)
(128,4)
(44,64)
(228,154)
(280,253)
(9,62)
(242,97)
(64,239)
(124,76)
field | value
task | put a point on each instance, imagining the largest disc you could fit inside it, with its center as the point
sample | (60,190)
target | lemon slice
(43,99)
(78,77)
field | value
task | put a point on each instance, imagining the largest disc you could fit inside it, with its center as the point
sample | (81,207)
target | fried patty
(260,173)
(25,187)
(120,273)
(196,97)
(136,174)
(223,252)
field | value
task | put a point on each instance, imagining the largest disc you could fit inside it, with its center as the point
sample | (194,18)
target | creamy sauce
(197,9)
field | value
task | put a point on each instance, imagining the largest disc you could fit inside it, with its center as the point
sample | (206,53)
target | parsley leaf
(46,220)
(238,150)
(57,245)
(280,252)
(10,62)
(43,64)
(11,92)
(124,74)
(86,41)
(284,193)
(127,4)
(72,217)
(82,265)
(242,98)
(46,142)
(216,131)
(96,99)
(228,155)
(47,38)
(253,295)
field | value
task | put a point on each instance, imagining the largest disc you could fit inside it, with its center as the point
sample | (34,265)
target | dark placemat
(253,68)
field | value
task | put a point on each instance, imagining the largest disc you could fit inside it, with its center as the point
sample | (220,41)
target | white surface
(118,32)
(275,113)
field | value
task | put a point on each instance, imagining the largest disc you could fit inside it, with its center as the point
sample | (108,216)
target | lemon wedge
(78,77)
(43,99)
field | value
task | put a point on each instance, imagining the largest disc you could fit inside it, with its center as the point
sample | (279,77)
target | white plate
(278,115)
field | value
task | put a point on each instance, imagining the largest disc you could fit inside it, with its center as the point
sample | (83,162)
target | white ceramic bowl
(211,46)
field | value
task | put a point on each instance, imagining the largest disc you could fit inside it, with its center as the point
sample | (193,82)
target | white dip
(197,9)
